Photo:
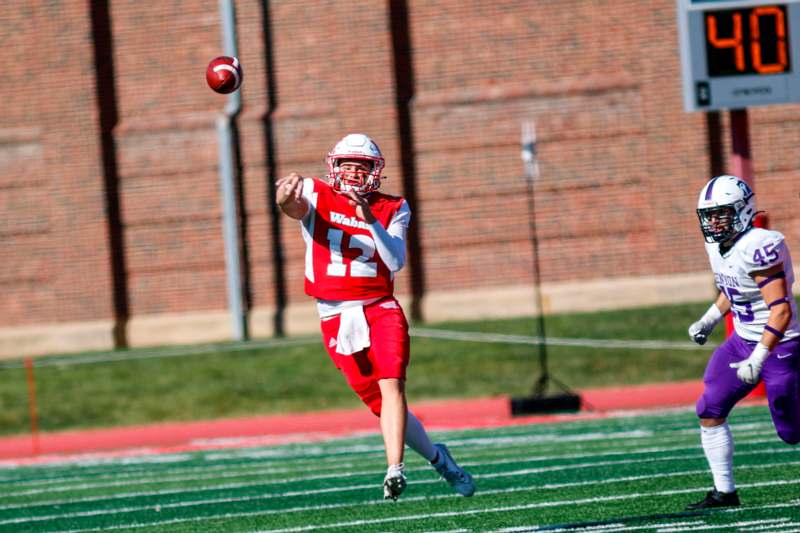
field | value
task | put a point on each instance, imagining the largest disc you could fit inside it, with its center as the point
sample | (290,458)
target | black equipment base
(564,402)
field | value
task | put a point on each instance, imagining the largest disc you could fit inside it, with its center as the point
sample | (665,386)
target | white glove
(749,370)
(700,330)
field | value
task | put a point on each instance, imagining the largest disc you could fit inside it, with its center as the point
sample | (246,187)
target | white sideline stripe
(175,474)
(467,442)
(147,456)
(143,455)
(766,528)
(209,501)
(378,449)
(105,357)
(96,464)
(514,459)
(135,472)
(659,527)
(290,494)
(556,341)
(162,479)
(90,486)
(509,440)
(792,503)
(746,523)
(492,510)
(598,528)
(618,527)
(468,447)
(294,493)
(556,468)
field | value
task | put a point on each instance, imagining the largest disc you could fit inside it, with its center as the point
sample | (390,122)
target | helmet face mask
(351,175)
(726,208)
(359,151)
(718,223)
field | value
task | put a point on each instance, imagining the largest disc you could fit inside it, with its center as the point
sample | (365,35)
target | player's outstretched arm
(700,330)
(289,196)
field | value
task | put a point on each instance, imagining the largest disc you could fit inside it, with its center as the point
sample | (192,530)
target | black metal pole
(544,375)
(539,402)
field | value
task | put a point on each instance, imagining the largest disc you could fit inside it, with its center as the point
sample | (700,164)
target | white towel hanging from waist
(353,331)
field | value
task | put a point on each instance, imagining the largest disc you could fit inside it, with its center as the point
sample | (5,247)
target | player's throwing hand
(288,188)
(289,195)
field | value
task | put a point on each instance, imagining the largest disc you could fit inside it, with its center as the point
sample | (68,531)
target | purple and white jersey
(757,250)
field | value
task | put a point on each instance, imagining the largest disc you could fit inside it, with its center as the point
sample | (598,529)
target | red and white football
(224,74)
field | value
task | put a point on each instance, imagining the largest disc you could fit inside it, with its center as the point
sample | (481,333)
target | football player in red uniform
(355,242)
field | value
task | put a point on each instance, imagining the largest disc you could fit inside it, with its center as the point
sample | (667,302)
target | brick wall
(53,240)
(621,163)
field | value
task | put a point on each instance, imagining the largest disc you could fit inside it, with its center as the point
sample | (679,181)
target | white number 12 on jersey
(360,267)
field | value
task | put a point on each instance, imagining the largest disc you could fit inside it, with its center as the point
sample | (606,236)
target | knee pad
(702,409)
(706,409)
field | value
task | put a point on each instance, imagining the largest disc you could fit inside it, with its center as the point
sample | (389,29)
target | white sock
(399,467)
(718,447)
(417,438)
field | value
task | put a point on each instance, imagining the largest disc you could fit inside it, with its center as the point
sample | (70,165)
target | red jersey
(342,262)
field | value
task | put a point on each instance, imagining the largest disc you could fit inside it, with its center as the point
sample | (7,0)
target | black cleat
(715,498)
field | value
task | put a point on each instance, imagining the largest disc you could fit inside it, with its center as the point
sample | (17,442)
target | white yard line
(744,523)
(600,528)
(658,527)
(769,527)
(467,449)
(489,510)
(160,478)
(211,501)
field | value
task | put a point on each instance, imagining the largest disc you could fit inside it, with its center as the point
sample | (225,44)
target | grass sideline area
(632,473)
(236,380)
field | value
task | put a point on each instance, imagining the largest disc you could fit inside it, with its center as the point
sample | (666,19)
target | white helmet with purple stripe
(726,208)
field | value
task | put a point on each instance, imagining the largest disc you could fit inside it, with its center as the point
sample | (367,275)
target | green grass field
(633,473)
(230,380)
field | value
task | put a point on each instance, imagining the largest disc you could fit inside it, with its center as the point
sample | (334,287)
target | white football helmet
(726,208)
(360,147)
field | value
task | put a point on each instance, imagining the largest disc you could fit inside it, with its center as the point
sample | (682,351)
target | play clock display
(737,54)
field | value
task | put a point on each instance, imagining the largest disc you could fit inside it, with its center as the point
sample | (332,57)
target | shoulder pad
(761,249)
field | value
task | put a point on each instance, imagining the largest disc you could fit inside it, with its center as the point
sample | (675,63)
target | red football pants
(386,357)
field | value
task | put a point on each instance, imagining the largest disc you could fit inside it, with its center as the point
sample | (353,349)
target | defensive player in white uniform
(355,241)
(753,271)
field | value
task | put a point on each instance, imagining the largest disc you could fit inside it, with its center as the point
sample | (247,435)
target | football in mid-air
(224,74)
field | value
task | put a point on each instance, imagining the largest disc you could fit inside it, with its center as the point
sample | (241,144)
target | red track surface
(452,414)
